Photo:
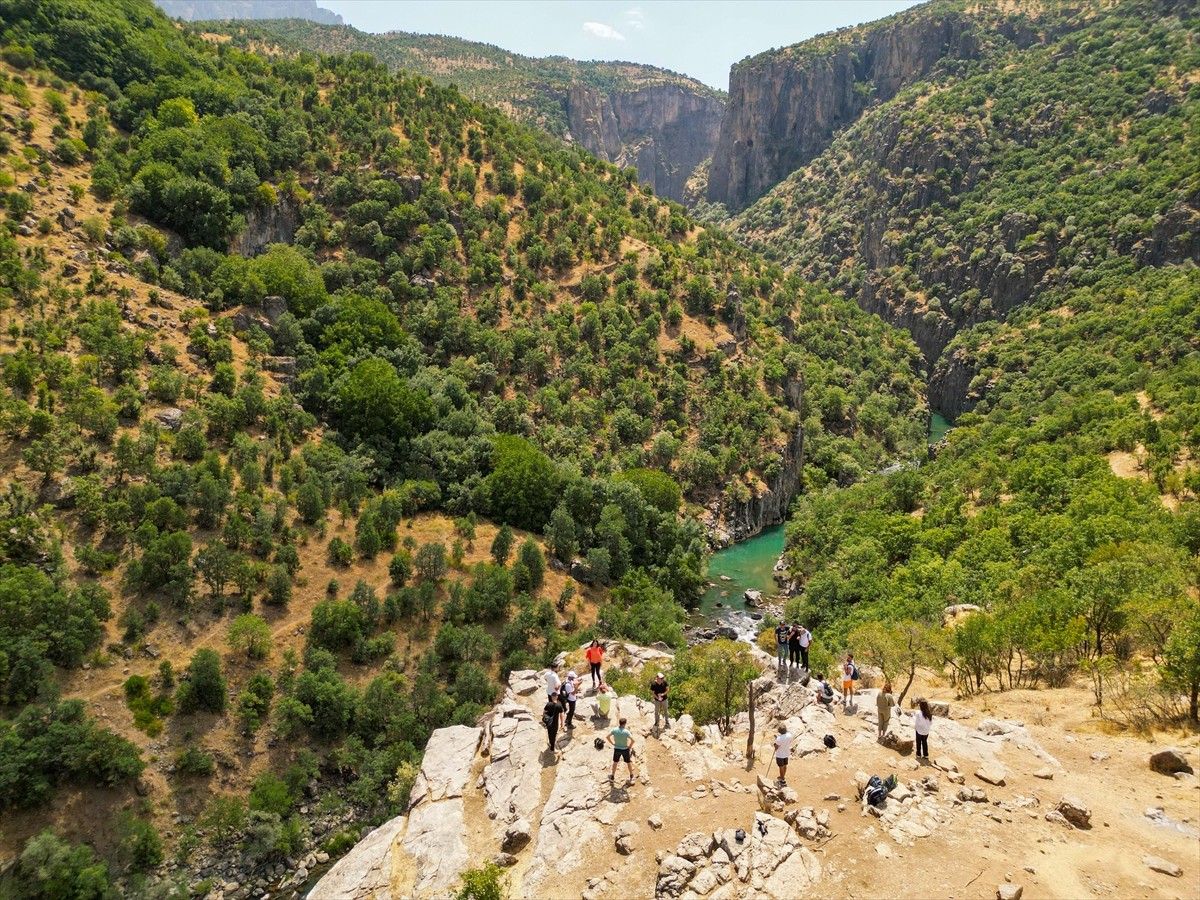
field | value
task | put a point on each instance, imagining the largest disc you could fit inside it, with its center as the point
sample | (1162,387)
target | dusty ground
(970,854)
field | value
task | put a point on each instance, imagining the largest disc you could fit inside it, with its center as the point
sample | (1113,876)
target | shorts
(619,755)
(781,761)
(847,687)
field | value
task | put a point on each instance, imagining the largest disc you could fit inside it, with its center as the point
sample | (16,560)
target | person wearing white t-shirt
(783,750)
(922,725)
(553,682)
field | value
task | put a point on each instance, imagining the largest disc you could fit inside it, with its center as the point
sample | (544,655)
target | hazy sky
(701,38)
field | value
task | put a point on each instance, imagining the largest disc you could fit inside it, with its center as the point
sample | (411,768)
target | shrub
(195,761)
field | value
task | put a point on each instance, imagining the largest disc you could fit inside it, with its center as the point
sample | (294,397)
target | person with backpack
(622,743)
(551,719)
(884,701)
(922,725)
(658,689)
(568,697)
(783,750)
(824,692)
(847,680)
(805,641)
(782,631)
(595,653)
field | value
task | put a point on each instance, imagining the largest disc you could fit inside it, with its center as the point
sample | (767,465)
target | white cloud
(635,18)
(600,30)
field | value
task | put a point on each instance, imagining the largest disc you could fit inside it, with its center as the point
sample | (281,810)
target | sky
(700,38)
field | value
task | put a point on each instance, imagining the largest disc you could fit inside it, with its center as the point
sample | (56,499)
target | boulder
(1074,811)
(674,873)
(893,740)
(1166,867)
(795,875)
(623,837)
(1170,761)
(366,868)
(434,841)
(752,597)
(1045,773)
(170,418)
(1057,818)
(504,860)
(696,846)
(992,773)
(1009,892)
(997,727)
(773,798)
(516,836)
(972,795)
(655,822)
(524,682)
(946,764)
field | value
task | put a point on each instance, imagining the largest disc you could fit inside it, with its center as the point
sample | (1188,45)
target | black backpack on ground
(830,741)
(876,791)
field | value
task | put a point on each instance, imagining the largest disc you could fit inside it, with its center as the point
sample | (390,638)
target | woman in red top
(595,653)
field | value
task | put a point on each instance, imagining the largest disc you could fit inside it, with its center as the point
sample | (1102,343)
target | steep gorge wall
(784,110)
(664,131)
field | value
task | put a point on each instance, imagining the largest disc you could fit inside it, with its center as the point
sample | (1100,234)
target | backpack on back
(547,720)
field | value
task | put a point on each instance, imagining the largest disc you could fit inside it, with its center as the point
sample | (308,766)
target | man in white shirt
(553,682)
(805,640)
(783,750)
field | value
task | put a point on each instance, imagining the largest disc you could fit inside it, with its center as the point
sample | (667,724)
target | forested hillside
(329,397)
(1063,147)
(1029,211)
(532,89)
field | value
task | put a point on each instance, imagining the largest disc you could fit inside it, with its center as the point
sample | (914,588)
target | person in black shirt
(794,646)
(552,718)
(658,687)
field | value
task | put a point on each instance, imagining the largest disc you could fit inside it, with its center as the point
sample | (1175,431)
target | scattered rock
(1166,867)
(1045,773)
(624,836)
(773,798)
(1009,892)
(992,773)
(1074,811)
(504,860)
(1170,761)
(655,822)
(673,875)
(1099,756)
(1057,818)
(696,845)
(972,795)
(946,764)
(895,741)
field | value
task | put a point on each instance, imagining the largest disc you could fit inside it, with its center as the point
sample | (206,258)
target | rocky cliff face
(664,131)
(785,110)
(275,225)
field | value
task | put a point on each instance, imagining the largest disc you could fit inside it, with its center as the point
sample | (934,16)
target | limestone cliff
(663,130)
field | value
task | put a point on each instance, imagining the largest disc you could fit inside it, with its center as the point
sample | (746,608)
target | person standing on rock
(595,654)
(604,700)
(794,646)
(884,701)
(621,739)
(553,682)
(552,718)
(569,696)
(805,643)
(923,724)
(658,689)
(847,680)
(783,750)
(782,632)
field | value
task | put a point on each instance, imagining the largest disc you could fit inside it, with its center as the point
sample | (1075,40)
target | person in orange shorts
(595,654)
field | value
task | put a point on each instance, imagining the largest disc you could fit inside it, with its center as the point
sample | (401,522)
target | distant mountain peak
(206,10)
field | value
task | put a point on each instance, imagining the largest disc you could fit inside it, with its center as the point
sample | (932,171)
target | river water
(749,565)
(938,426)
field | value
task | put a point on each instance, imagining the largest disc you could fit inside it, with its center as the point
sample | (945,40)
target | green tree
(50,868)
(1181,657)
(523,487)
(252,634)
(712,680)
(374,401)
(204,688)
(502,545)
(214,564)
